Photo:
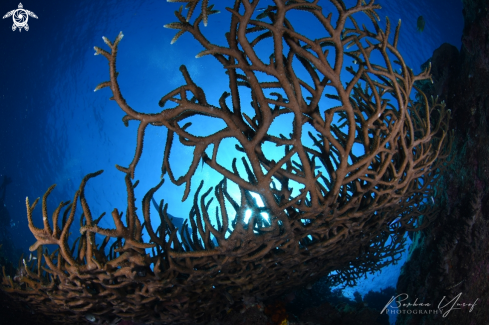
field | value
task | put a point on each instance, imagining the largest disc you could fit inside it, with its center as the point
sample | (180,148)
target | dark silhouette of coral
(378,299)
(349,216)
(347,314)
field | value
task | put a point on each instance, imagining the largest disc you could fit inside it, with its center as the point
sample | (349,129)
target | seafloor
(317,305)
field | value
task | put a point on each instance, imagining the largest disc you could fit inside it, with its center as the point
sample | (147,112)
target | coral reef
(315,305)
(449,258)
(332,210)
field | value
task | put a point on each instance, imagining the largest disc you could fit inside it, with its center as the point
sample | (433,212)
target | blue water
(55,129)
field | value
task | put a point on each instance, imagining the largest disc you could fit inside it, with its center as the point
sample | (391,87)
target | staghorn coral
(349,216)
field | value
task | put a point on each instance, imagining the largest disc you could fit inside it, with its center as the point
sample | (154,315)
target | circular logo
(20,18)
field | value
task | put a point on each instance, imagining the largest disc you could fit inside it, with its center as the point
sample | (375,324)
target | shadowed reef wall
(450,258)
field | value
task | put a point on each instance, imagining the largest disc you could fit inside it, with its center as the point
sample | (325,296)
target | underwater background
(54,129)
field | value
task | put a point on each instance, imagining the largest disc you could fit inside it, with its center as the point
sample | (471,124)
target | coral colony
(348,212)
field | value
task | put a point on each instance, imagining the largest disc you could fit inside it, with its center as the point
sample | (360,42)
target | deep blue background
(55,129)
